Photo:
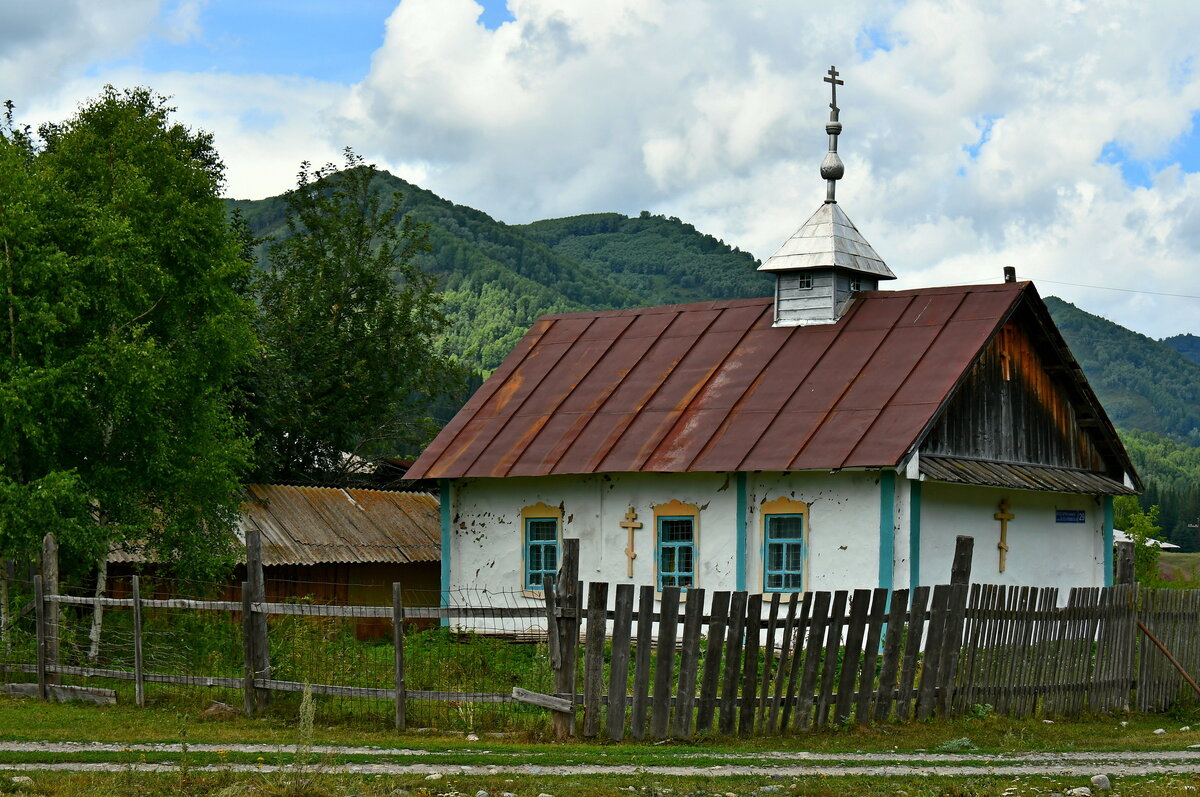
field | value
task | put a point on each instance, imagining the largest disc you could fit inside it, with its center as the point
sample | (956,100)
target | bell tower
(820,268)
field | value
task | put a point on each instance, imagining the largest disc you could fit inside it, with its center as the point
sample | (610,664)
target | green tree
(1141,526)
(349,368)
(123,327)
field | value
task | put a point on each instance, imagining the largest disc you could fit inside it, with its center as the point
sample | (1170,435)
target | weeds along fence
(624,661)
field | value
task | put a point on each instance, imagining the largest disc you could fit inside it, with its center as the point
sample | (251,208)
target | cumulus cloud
(974,132)
(977,135)
(43,43)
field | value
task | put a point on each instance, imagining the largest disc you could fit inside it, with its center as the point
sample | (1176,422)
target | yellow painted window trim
(676,508)
(538,511)
(780,506)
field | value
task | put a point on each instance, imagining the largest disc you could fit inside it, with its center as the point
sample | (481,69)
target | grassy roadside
(28,720)
(59,784)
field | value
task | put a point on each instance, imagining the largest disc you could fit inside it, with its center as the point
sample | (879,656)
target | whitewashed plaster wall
(843,534)
(1041,551)
(843,526)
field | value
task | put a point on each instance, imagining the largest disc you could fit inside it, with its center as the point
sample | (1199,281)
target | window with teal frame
(783,553)
(541,550)
(676,551)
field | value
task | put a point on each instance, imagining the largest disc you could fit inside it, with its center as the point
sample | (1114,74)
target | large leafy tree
(124,322)
(350,368)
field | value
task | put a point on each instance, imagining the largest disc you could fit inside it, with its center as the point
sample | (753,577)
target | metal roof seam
(769,309)
(903,382)
(437,449)
(529,392)
(581,338)
(962,377)
(838,328)
(856,304)
(615,436)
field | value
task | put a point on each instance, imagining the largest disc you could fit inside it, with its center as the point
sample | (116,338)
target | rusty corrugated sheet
(327,525)
(316,525)
(713,386)
(1020,477)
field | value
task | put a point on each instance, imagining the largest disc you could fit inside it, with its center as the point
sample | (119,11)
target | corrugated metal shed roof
(328,525)
(715,387)
(318,525)
(1020,477)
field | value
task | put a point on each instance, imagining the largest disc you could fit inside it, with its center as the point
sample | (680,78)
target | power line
(1123,290)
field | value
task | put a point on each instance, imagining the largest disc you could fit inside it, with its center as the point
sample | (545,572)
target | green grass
(30,720)
(58,784)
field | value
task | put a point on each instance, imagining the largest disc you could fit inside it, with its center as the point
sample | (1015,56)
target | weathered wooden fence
(632,662)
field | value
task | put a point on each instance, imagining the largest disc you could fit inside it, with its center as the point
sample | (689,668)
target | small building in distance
(334,545)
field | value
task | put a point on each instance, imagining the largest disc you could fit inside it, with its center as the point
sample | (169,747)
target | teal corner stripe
(887,527)
(914,534)
(743,529)
(1108,540)
(444,500)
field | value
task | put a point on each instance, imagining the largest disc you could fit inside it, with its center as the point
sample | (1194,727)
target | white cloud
(44,43)
(974,141)
(714,113)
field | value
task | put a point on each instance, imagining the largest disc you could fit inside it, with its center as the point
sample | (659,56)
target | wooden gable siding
(1013,406)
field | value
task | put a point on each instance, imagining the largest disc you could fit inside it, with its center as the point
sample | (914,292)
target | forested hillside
(1152,393)
(1143,383)
(1187,345)
(497,279)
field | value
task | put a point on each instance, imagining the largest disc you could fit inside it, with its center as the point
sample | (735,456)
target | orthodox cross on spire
(832,167)
(834,83)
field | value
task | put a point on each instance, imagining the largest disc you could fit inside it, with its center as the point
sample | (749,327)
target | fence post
(568,628)
(6,574)
(398,643)
(960,570)
(1124,563)
(258,620)
(50,587)
(248,702)
(139,678)
(39,606)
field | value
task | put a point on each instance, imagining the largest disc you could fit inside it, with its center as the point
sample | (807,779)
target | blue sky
(973,140)
(307,38)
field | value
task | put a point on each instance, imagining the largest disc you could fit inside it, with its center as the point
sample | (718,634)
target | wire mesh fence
(193,651)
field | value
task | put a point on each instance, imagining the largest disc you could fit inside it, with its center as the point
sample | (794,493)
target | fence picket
(593,657)
(689,663)
(733,658)
(927,693)
(833,641)
(813,655)
(800,632)
(768,661)
(912,647)
(890,665)
(860,607)
(641,667)
(618,668)
(750,666)
(719,616)
(664,662)
(785,651)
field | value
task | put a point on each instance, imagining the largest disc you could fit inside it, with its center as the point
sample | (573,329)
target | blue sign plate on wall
(1070,516)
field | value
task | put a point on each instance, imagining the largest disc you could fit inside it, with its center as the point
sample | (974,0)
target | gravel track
(789,764)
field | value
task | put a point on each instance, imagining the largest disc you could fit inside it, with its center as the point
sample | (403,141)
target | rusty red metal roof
(715,387)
